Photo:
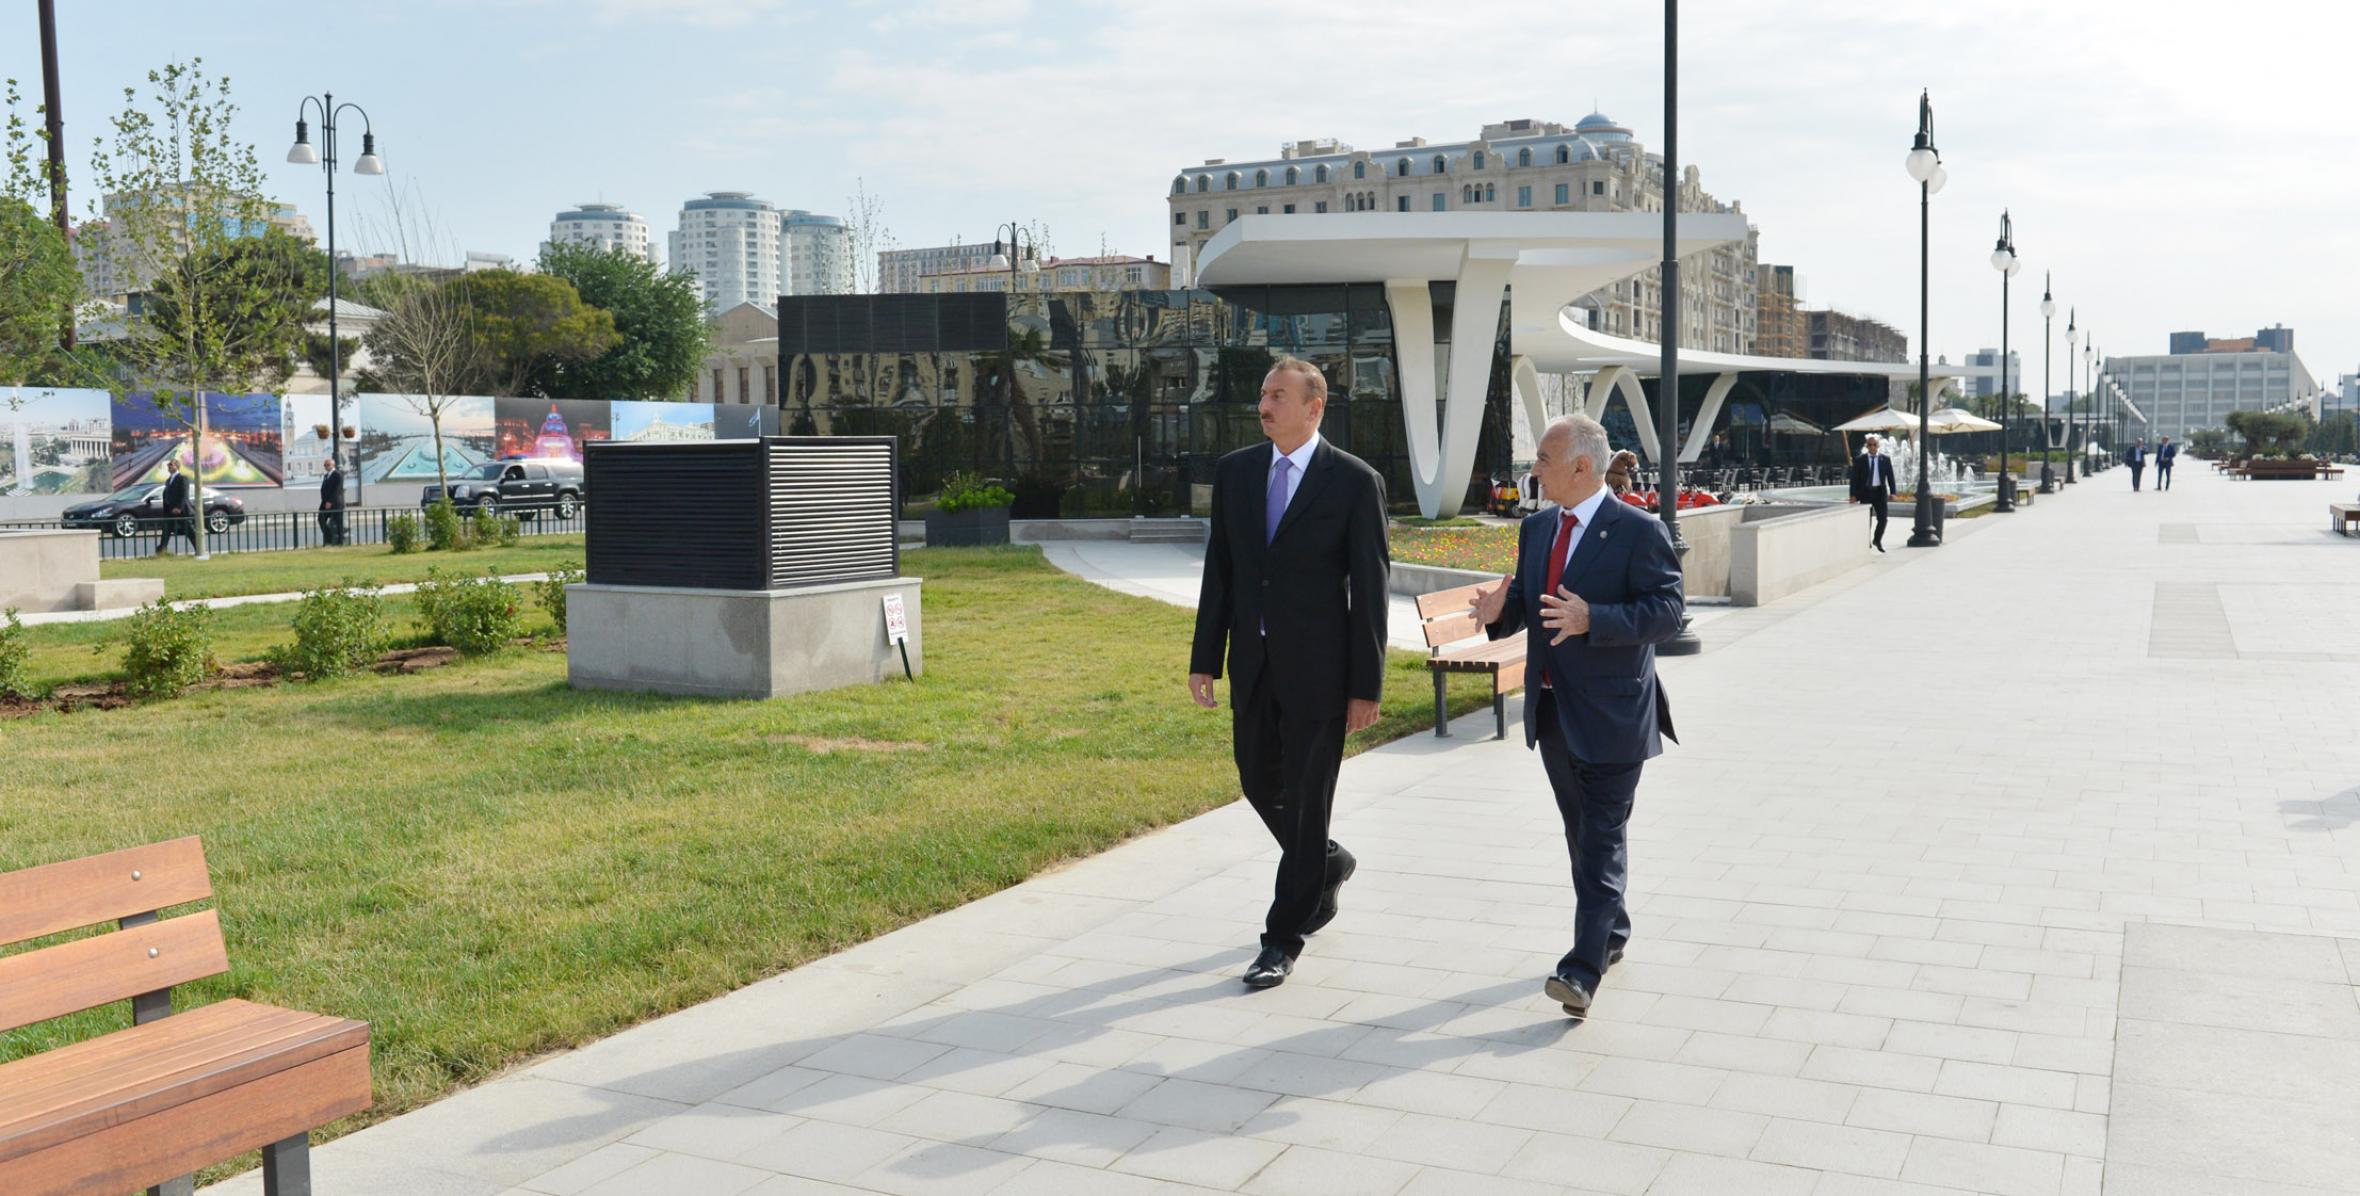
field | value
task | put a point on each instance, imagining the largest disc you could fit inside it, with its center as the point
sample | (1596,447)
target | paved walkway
(2025,865)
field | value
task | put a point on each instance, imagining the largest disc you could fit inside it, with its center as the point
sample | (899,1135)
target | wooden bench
(145,1107)
(2342,515)
(1446,619)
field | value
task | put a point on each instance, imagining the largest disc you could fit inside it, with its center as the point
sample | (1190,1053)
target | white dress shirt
(1584,513)
(1301,458)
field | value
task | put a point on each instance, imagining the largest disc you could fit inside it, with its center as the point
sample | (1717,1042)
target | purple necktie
(1275,504)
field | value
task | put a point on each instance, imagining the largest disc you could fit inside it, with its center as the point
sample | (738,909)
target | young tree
(182,192)
(865,229)
(38,281)
(427,349)
(659,317)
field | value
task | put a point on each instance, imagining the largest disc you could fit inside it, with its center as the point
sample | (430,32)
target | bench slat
(248,1043)
(70,977)
(1450,629)
(148,1150)
(1443,602)
(33,1088)
(85,892)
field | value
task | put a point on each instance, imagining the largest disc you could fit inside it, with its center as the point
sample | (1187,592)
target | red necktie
(1557,554)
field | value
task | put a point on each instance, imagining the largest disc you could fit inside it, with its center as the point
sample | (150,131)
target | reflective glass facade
(1109,403)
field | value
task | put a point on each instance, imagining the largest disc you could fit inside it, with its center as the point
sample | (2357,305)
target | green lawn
(301,569)
(486,865)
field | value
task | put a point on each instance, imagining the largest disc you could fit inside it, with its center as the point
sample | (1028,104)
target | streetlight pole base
(1683,641)
(1923,534)
(2005,504)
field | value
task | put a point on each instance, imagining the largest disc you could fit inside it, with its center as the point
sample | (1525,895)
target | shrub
(511,530)
(401,533)
(15,659)
(552,592)
(445,531)
(968,492)
(167,648)
(337,629)
(483,528)
(477,616)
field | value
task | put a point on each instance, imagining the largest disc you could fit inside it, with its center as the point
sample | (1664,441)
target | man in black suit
(178,520)
(1597,586)
(332,504)
(1294,589)
(2165,453)
(2136,458)
(1872,483)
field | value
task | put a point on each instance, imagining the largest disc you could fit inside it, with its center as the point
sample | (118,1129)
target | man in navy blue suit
(1596,587)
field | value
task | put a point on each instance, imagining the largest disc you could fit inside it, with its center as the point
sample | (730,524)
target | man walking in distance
(1294,589)
(2164,455)
(332,504)
(1596,587)
(176,508)
(2136,458)
(1872,483)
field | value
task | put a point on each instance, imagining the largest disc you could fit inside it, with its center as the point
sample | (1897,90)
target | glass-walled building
(1091,403)
(1106,403)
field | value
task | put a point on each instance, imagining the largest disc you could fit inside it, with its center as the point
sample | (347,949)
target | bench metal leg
(286,1167)
(1441,704)
(1499,714)
(186,1185)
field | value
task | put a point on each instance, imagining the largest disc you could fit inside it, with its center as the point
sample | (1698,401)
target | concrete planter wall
(52,570)
(973,528)
(1773,557)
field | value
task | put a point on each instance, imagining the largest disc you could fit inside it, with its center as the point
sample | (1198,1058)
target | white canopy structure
(1541,262)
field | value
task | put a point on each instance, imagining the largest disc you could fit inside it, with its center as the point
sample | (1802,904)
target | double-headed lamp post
(1021,253)
(1925,165)
(2004,260)
(2048,342)
(302,153)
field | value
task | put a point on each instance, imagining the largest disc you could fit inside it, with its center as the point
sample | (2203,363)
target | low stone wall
(39,570)
(1784,550)
(1706,567)
(736,643)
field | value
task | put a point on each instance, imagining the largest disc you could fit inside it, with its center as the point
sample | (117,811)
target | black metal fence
(278,531)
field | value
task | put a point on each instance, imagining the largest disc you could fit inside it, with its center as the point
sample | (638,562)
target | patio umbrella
(1953,419)
(1882,420)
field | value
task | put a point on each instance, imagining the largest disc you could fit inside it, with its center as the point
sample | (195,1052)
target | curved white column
(1706,413)
(1442,447)
(1527,381)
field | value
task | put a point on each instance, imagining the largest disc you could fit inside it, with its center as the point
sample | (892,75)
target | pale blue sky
(2179,165)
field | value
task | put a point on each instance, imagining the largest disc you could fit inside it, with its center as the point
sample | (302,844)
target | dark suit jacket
(332,491)
(1864,486)
(1609,704)
(2134,455)
(1309,605)
(2164,455)
(176,494)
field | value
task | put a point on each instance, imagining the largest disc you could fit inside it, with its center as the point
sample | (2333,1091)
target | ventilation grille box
(768,514)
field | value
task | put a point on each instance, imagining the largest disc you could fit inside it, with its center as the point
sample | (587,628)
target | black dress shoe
(1326,912)
(1269,969)
(1570,993)
(1613,956)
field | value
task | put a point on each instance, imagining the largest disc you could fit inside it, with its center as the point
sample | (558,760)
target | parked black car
(521,488)
(140,508)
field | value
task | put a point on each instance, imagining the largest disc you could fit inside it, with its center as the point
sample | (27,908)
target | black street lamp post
(2072,393)
(303,154)
(1925,165)
(1668,302)
(1022,253)
(2048,342)
(2004,260)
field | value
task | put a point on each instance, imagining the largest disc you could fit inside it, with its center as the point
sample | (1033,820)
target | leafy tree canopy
(659,318)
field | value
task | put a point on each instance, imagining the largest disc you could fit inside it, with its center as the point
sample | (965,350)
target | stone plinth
(40,570)
(736,643)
